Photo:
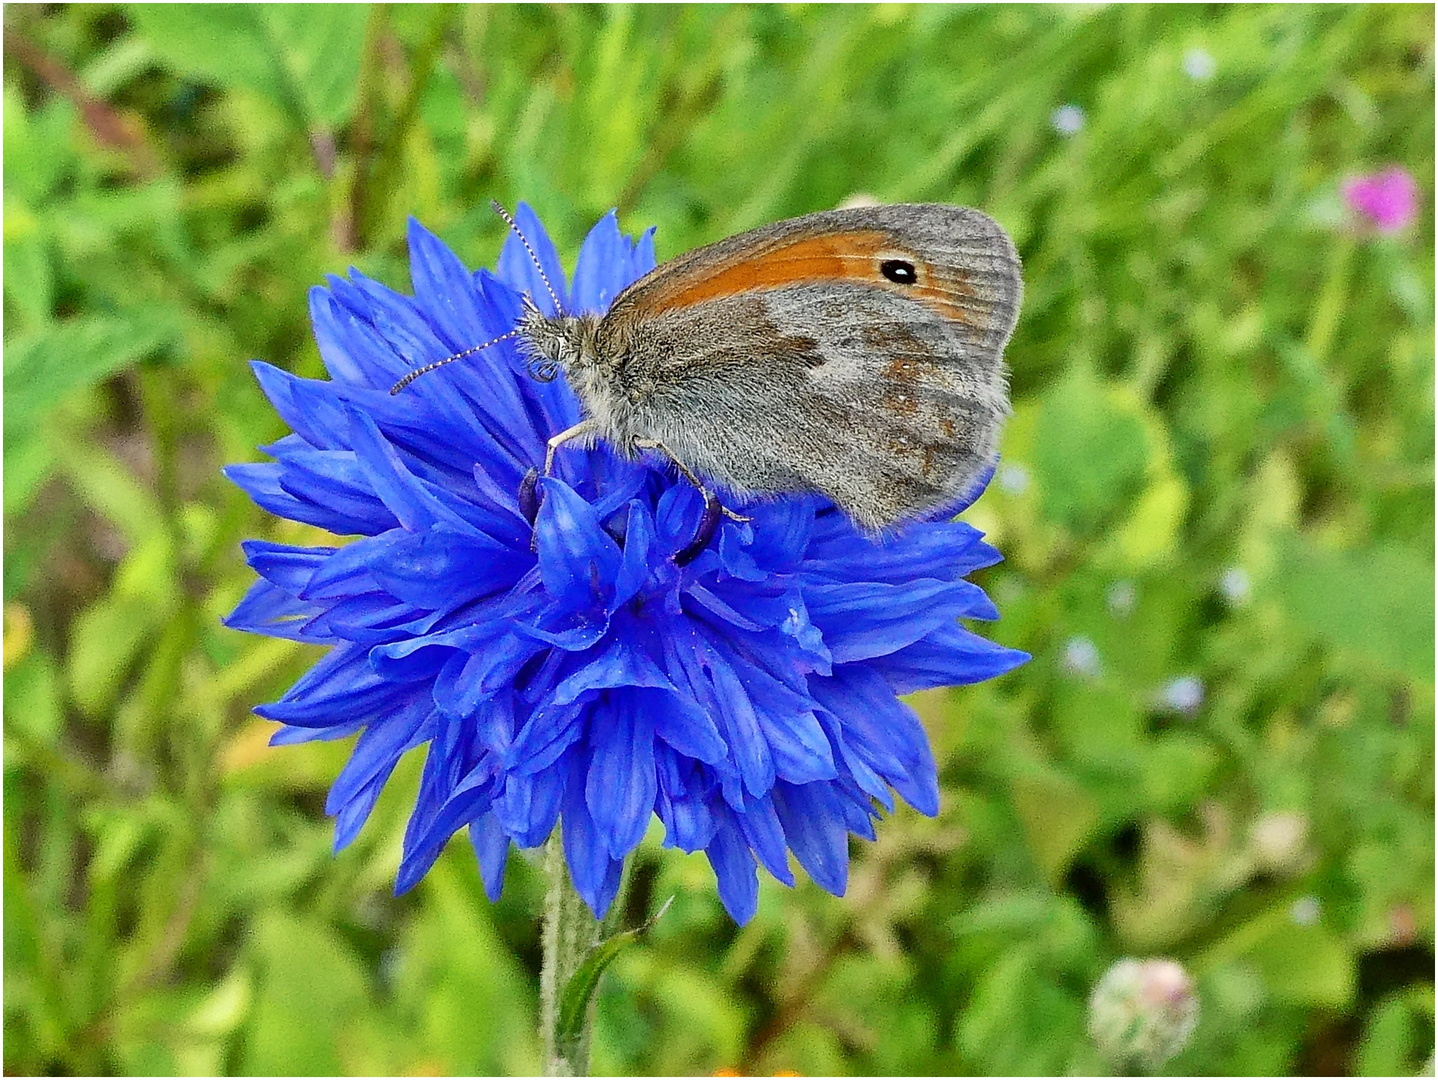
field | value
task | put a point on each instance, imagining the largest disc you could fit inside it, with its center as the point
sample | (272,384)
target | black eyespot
(899,271)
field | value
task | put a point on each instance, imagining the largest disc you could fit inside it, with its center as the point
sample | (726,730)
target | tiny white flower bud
(1278,840)
(1306,911)
(1121,597)
(1081,657)
(1199,64)
(1068,119)
(1014,479)
(1183,694)
(1235,586)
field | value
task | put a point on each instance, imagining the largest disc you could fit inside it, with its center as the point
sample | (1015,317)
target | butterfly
(857,354)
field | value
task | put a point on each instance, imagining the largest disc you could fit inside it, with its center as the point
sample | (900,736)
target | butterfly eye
(543,370)
(899,271)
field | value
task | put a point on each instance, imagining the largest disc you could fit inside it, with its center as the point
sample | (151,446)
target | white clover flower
(1142,1013)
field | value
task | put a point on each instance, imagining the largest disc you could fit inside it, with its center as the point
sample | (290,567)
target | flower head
(1388,200)
(568,669)
(1068,120)
(1142,1012)
(1199,64)
(1183,694)
(1081,657)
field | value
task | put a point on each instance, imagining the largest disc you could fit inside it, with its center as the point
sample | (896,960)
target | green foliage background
(1214,369)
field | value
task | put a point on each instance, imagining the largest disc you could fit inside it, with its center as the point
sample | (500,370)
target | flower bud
(1278,841)
(1067,120)
(1182,695)
(1081,658)
(1121,597)
(1199,65)
(1142,1012)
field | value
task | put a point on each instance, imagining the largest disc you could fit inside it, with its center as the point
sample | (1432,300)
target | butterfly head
(555,343)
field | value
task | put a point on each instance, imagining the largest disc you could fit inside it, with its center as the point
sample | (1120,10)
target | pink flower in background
(1389,200)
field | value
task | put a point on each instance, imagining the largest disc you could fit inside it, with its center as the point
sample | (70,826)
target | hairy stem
(570,931)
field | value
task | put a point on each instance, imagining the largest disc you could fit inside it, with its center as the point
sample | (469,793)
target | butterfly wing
(857,353)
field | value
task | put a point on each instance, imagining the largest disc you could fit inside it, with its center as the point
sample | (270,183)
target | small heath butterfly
(857,354)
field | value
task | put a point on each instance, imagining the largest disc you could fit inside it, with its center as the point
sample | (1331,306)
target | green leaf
(305,58)
(1301,965)
(1089,453)
(29,276)
(582,984)
(311,989)
(106,486)
(33,698)
(40,149)
(1177,770)
(42,368)
(1375,602)
(1058,817)
(1390,1046)
(227,44)
(27,465)
(1018,1019)
(104,644)
(1151,532)
(470,994)
(319,47)
(1307,965)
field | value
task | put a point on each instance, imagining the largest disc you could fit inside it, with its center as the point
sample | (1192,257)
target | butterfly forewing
(857,353)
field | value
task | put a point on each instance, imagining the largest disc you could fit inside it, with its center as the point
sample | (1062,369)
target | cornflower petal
(517,269)
(491,848)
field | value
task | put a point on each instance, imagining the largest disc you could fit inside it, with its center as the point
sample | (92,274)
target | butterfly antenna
(502,212)
(417,372)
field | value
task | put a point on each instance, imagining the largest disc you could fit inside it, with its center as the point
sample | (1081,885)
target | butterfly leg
(569,434)
(713,508)
(528,493)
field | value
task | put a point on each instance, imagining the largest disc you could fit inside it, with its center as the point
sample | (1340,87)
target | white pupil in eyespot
(899,271)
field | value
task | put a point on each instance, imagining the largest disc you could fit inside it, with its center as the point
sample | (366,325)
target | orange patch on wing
(946,292)
(907,369)
(807,261)
(813,260)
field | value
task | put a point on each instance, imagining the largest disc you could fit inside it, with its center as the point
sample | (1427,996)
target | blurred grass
(1220,466)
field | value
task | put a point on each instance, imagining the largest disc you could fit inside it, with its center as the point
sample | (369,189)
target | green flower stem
(570,931)
(1329,308)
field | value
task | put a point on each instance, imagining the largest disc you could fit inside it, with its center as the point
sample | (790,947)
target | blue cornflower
(746,698)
